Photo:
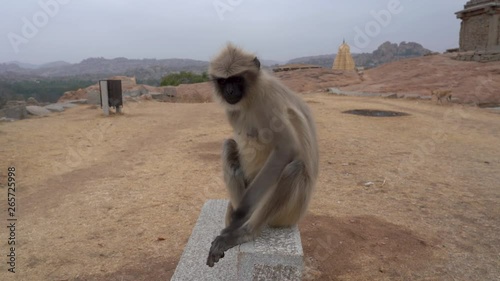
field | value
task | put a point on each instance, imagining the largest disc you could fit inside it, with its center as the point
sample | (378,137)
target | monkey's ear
(257,62)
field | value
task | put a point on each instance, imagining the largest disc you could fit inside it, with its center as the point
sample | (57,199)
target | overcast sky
(72,30)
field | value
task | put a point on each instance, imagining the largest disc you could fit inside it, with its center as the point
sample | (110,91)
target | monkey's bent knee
(294,168)
(230,145)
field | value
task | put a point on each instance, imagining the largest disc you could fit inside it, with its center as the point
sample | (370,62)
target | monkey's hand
(219,246)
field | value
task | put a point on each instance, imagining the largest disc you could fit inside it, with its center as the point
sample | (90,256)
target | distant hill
(23,65)
(28,66)
(13,68)
(97,68)
(54,64)
(325,61)
(49,81)
(387,52)
(154,69)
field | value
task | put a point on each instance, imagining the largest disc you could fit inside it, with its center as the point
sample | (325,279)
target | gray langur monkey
(270,167)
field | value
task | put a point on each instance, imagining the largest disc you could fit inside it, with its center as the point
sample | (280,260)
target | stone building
(480,28)
(343,60)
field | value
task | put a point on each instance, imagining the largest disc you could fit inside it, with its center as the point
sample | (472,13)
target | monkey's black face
(232,89)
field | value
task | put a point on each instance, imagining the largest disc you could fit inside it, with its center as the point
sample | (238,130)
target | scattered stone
(160,97)
(132,92)
(170,91)
(391,96)
(494,110)
(55,107)
(412,96)
(130,99)
(37,110)
(80,101)
(146,97)
(5,119)
(335,91)
(67,105)
(14,110)
(32,101)
(168,94)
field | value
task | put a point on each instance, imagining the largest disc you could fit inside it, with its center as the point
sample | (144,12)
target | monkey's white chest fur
(254,146)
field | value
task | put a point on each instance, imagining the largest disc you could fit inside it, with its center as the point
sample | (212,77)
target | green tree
(183,77)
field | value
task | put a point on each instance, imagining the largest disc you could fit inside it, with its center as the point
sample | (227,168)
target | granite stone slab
(275,255)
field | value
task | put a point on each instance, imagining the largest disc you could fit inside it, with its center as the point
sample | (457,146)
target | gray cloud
(279,29)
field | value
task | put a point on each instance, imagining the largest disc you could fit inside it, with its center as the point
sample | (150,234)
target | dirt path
(406,198)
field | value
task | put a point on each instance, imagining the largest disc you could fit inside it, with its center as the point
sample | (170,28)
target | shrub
(183,77)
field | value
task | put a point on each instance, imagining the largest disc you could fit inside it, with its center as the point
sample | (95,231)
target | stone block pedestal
(275,255)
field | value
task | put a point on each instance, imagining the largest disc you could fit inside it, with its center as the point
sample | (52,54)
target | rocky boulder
(76,95)
(201,92)
(165,94)
(80,101)
(4,119)
(126,81)
(15,110)
(37,110)
(67,105)
(55,107)
(194,93)
(32,101)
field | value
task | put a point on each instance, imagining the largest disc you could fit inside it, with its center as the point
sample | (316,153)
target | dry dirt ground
(115,198)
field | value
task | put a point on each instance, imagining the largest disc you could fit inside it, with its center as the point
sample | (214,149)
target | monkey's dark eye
(221,81)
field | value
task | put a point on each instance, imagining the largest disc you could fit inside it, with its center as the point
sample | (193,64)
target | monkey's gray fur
(271,165)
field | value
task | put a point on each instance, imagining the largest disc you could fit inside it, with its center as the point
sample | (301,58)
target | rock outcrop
(37,110)
(15,110)
(32,101)
(200,92)
(55,107)
(470,82)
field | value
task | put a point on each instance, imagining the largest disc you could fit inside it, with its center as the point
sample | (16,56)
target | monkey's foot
(219,246)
